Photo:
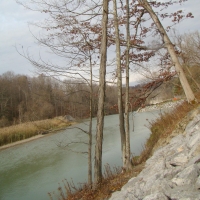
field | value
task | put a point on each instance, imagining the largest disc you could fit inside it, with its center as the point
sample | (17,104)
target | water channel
(31,170)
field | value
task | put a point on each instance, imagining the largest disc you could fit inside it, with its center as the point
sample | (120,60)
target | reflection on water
(29,171)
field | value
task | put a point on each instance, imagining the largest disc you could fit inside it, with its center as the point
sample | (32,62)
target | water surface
(30,170)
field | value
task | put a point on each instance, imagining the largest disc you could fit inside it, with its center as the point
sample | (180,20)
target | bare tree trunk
(119,83)
(127,136)
(186,87)
(90,129)
(102,86)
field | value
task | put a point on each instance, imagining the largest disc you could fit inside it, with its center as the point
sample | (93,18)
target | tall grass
(26,130)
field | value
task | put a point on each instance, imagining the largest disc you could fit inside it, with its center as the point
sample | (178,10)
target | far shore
(47,127)
(29,139)
(21,142)
(152,107)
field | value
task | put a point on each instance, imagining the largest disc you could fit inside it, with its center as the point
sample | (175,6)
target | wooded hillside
(24,98)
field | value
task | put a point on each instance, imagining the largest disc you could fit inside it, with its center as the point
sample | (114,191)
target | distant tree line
(24,98)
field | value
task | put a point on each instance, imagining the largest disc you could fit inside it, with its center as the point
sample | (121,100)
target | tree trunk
(119,84)
(127,136)
(90,129)
(102,85)
(186,87)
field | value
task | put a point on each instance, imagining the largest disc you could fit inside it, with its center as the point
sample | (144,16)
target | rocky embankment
(164,106)
(173,172)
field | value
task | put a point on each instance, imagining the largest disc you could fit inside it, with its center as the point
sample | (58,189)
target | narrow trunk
(127,103)
(186,87)
(90,129)
(102,87)
(119,84)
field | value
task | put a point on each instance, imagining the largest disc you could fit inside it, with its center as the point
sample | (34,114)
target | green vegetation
(29,129)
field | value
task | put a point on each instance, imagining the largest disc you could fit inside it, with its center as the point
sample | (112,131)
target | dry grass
(26,130)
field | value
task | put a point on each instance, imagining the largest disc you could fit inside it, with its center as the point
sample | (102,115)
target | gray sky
(14,31)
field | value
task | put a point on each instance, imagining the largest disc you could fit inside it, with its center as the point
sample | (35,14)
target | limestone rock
(185,193)
(187,176)
(197,185)
(173,172)
(157,196)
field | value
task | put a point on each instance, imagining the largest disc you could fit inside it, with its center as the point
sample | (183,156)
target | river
(31,170)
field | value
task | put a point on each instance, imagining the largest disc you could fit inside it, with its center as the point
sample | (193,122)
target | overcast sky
(14,31)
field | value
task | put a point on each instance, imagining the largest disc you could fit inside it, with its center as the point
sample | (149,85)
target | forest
(24,99)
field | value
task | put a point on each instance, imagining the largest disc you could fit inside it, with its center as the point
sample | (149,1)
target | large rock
(187,177)
(158,196)
(197,184)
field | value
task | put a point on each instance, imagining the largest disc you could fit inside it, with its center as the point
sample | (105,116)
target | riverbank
(172,172)
(38,157)
(166,105)
(21,142)
(162,131)
(25,132)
